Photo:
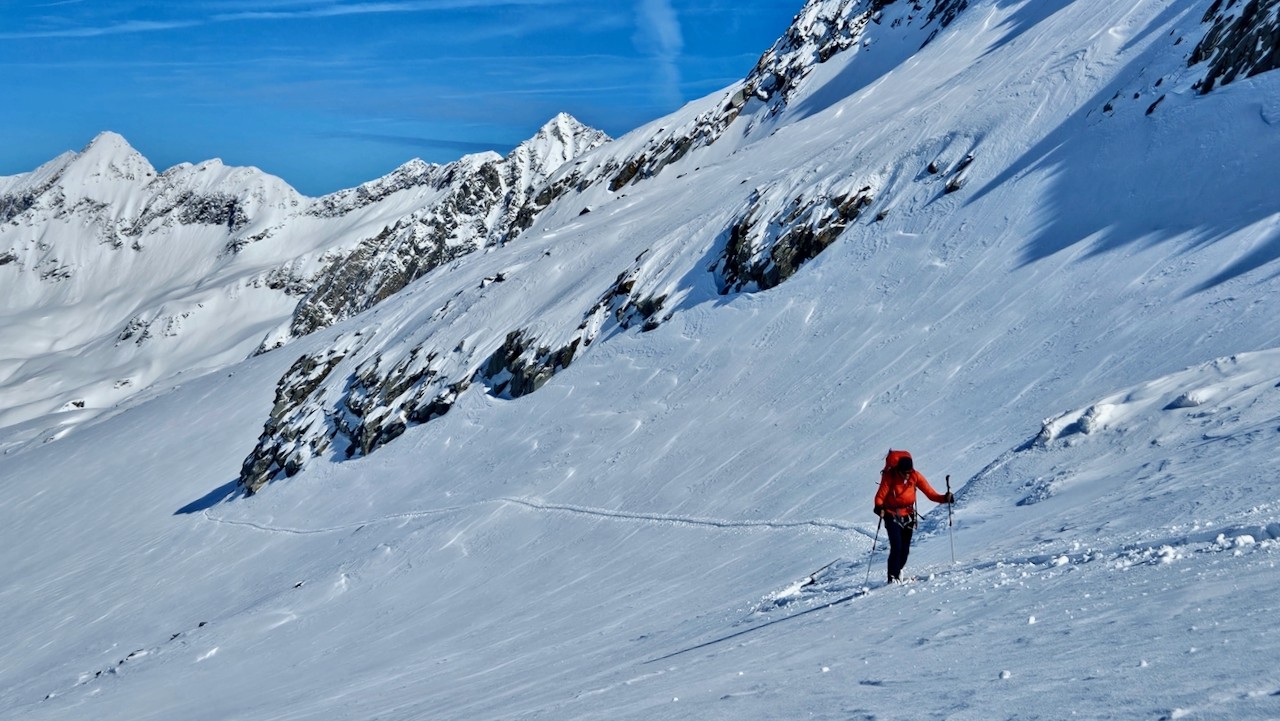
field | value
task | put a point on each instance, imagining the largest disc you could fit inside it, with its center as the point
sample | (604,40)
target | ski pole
(950,531)
(873,551)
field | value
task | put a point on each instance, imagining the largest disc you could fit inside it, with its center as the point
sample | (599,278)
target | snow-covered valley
(998,250)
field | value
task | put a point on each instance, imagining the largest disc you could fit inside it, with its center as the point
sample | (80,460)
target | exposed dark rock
(53,269)
(216,209)
(285,445)
(761,253)
(289,279)
(517,368)
(382,265)
(237,244)
(136,328)
(189,208)
(1243,40)
(487,201)
(8,257)
(15,204)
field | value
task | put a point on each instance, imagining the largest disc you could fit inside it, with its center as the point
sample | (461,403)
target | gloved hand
(949,498)
(879,511)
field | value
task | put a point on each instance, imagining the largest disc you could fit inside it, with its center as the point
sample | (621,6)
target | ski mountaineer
(896,504)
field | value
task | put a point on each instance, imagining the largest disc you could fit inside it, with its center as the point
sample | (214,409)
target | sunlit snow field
(1083,338)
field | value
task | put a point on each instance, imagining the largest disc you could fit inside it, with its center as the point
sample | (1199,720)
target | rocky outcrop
(14,204)
(380,392)
(520,366)
(385,263)
(766,247)
(1243,40)
(378,402)
(413,174)
(286,444)
(822,29)
(485,200)
(190,208)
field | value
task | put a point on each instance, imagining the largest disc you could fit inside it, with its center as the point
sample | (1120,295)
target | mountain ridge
(210,256)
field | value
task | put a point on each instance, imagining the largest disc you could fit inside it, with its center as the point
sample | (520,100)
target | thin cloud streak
(373,8)
(660,35)
(132,26)
(367,8)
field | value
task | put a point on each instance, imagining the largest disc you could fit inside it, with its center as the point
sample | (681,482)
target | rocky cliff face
(822,29)
(1243,40)
(360,393)
(483,200)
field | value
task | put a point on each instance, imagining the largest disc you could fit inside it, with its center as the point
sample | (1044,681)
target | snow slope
(1082,335)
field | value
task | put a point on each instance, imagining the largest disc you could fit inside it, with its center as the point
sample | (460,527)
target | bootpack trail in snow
(563,509)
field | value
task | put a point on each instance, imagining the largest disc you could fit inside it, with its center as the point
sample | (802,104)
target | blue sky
(330,93)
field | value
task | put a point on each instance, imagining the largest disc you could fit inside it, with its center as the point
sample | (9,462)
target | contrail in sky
(660,35)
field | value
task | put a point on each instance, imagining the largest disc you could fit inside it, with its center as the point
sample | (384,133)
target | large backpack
(891,460)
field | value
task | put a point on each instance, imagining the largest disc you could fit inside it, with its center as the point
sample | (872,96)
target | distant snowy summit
(477,201)
(203,264)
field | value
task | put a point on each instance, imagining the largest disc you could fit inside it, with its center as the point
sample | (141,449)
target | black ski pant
(899,530)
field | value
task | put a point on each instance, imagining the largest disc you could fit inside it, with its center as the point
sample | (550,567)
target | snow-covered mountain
(118,277)
(620,464)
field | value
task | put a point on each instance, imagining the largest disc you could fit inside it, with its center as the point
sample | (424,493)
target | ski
(812,578)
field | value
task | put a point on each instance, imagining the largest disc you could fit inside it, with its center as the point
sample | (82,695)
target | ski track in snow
(564,509)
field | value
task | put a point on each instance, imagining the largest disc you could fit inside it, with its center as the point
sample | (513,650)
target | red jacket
(897,494)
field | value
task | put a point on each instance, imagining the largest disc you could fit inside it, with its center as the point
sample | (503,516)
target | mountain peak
(565,127)
(109,140)
(110,155)
(559,140)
